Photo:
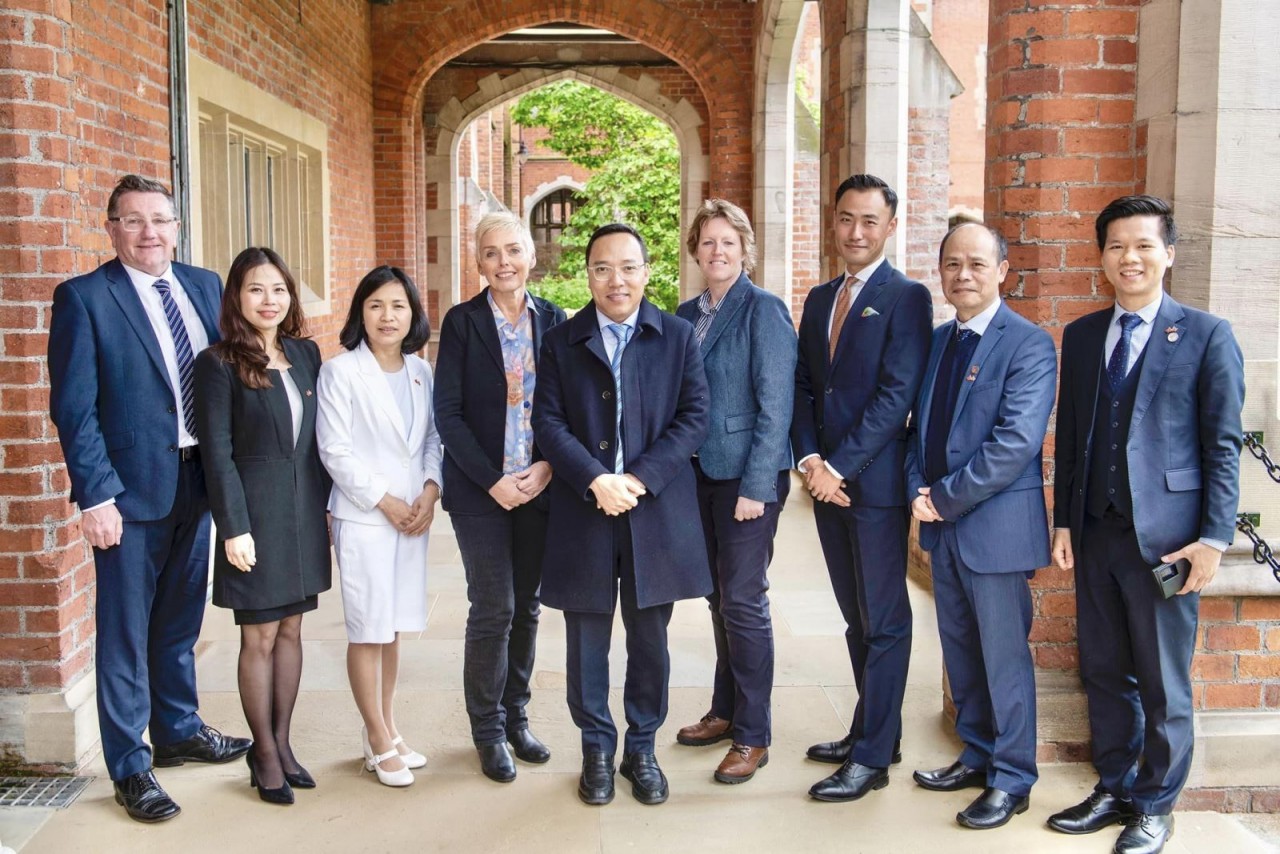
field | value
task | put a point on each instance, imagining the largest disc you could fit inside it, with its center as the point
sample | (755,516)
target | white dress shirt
(980,321)
(611,340)
(1138,338)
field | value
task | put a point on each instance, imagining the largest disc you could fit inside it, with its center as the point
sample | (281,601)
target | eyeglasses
(604,272)
(137,223)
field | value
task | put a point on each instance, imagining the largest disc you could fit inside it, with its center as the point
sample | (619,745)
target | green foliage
(807,96)
(636,180)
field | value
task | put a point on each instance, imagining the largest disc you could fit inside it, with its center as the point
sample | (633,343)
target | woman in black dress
(256,413)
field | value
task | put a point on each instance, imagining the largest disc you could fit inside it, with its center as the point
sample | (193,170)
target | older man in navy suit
(975,475)
(122,345)
(620,410)
(864,338)
(1148,465)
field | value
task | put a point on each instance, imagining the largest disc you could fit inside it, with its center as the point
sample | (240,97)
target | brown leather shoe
(741,762)
(709,730)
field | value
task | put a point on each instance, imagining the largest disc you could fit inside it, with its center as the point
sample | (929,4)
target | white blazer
(361,435)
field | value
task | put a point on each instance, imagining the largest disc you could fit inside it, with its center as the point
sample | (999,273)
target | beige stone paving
(452,807)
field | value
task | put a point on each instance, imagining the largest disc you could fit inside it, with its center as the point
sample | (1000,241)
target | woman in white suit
(377,438)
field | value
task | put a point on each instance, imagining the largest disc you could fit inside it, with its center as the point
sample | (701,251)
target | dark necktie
(1118,366)
(182,348)
(952,370)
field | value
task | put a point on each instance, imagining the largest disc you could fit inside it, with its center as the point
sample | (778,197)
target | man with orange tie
(864,340)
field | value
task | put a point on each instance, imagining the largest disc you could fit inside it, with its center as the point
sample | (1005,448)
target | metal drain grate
(58,792)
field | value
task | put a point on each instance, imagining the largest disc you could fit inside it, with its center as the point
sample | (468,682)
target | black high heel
(300,779)
(282,795)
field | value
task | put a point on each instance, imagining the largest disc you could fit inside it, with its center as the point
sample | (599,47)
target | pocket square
(869,312)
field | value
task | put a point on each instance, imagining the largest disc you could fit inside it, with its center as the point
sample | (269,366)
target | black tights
(270,669)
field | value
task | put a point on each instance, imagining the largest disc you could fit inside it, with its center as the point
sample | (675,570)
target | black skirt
(254,617)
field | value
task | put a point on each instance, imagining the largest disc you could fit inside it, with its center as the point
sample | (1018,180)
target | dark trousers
(866,553)
(983,621)
(739,554)
(1135,661)
(644,695)
(502,557)
(150,603)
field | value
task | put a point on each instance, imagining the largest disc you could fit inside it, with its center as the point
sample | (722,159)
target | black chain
(1261,551)
(1259,452)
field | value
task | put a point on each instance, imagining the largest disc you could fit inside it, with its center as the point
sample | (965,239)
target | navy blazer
(853,410)
(109,391)
(1185,436)
(471,399)
(664,421)
(994,491)
(750,357)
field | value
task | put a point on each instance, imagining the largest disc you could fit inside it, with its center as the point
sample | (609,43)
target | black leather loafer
(595,786)
(1146,834)
(143,799)
(207,745)
(993,808)
(837,752)
(496,762)
(648,783)
(1101,809)
(953,778)
(527,748)
(851,782)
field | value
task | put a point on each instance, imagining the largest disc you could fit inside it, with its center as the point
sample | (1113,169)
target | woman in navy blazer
(494,477)
(748,345)
(256,413)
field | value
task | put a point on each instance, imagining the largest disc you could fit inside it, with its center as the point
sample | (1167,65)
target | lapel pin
(1172,334)
(417,381)
(308,392)
(973,374)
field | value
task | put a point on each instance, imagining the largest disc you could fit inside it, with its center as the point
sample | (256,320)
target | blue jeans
(502,557)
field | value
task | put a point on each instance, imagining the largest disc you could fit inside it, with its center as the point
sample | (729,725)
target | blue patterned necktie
(621,333)
(182,348)
(1118,366)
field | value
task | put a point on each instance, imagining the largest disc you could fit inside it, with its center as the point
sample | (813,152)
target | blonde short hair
(732,214)
(505,221)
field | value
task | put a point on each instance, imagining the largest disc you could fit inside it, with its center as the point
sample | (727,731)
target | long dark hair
(241,345)
(353,331)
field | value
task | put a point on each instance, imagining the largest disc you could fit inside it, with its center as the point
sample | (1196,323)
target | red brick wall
(960,34)
(807,227)
(923,211)
(1237,663)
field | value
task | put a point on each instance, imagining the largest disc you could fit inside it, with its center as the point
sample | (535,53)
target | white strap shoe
(411,757)
(402,777)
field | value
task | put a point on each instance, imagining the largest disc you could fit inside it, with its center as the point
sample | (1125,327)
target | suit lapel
(378,387)
(986,343)
(481,315)
(293,351)
(1159,352)
(871,296)
(121,287)
(734,300)
(586,329)
(940,337)
(208,314)
(418,395)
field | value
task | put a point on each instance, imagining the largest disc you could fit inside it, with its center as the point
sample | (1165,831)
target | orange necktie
(843,302)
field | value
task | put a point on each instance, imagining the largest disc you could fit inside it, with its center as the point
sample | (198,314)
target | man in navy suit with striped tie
(1147,472)
(122,346)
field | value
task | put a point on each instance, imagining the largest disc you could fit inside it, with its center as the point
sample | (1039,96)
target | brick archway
(441,163)
(411,41)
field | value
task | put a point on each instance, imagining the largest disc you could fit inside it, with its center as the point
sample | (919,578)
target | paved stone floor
(452,807)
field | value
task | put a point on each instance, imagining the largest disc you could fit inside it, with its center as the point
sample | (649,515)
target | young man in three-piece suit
(122,347)
(1148,444)
(864,338)
(974,474)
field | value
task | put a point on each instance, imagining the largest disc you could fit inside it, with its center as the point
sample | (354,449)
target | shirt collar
(529,305)
(144,281)
(1148,312)
(864,275)
(980,321)
(605,322)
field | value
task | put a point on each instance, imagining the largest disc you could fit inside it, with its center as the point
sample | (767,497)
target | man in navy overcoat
(974,474)
(122,343)
(620,410)
(864,338)
(1147,472)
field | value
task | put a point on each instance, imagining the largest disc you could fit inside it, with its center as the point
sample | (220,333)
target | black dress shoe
(837,752)
(207,745)
(851,782)
(527,747)
(992,808)
(953,778)
(143,799)
(1146,834)
(595,786)
(496,762)
(648,783)
(282,794)
(300,779)
(1101,809)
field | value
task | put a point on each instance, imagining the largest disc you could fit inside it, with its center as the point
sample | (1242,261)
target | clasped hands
(414,519)
(922,509)
(617,493)
(823,484)
(512,490)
